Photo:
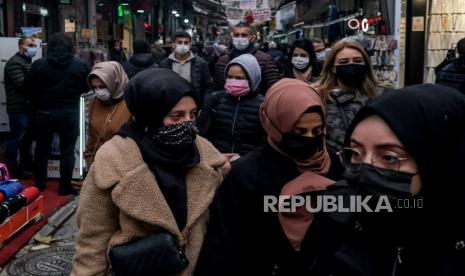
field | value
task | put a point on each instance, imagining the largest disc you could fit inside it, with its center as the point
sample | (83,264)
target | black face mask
(351,74)
(369,181)
(177,136)
(401,222)
(300,147)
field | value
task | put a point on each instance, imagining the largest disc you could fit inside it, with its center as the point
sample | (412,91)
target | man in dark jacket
(56,84)
(453,75)
(189,66)
(18,104)
(141,60)
(243,45)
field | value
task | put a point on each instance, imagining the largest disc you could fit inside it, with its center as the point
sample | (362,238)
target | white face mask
(300,62)
(103,94)
(182,49)
(321,56)
(241,43)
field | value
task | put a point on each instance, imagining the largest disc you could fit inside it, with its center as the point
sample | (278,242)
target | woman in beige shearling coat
(154,175)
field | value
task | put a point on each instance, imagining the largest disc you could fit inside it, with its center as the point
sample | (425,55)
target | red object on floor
(52,203)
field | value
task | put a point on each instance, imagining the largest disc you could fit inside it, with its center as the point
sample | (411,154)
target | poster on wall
(263,4)
(32,31)
(234,15)
(262,15)
(285,16)
(248,4)
(418,24)
(232,3)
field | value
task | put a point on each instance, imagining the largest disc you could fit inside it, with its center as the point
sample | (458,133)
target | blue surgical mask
(30,52)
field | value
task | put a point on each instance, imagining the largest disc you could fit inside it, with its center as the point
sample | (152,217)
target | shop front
(445,26)
(376,24)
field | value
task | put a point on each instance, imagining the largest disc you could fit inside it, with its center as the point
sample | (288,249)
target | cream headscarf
(113,76)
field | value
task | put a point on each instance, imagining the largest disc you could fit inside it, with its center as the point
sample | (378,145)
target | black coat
(137,63)
(232,124)
(16,69)
(346,246)
(57,82)
(242,239)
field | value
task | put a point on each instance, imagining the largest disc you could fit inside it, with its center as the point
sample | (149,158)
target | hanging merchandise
(384,55)
(445,27)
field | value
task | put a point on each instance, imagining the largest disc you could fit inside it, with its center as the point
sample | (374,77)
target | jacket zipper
(234,124)
(397,261)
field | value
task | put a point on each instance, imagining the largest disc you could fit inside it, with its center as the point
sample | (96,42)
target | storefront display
(384,54)
(446,26)
(18,205)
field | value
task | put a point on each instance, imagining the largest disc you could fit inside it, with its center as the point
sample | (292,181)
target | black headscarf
(150,96)
(429,120)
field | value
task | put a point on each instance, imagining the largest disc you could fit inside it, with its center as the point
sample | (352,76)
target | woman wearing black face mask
(408,146)
(154,176)
(347,83)
(294,161)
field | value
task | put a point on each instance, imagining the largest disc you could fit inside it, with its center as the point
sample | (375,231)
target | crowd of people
(184,147)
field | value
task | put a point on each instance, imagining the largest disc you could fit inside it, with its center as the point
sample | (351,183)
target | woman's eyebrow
(390,145)
(352,140)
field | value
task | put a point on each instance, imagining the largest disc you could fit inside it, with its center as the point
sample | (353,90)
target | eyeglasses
(31,45)
(353,159)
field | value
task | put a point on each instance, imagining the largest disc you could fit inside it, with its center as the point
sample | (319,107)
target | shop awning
(209,8)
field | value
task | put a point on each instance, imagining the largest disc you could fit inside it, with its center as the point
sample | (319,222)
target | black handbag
(158,254)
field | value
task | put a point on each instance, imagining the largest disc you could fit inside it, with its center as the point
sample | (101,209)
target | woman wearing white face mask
(107,110)
(303,61)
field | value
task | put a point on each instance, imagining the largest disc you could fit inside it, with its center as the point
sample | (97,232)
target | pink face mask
(237,88)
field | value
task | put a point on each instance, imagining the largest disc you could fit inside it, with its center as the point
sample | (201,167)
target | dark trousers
(66,125)
(19,123)
(25,149)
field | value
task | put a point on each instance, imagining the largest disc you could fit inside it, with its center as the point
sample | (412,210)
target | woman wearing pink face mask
(230,118)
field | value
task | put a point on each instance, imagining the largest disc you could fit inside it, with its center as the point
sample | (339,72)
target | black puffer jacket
(15,70)
(137,63)
(232,124)
(57,82)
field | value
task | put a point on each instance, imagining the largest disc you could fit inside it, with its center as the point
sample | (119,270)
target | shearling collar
(135,190)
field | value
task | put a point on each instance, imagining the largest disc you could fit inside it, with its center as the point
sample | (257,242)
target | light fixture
(43,12)
(140,11)
(177,15)
(174,12)
(24,6)
(124,4)
(186,20)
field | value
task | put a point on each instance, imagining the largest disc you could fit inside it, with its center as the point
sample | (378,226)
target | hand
(225,169)
(232,156)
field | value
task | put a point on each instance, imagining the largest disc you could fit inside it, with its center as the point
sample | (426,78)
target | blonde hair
(328,80)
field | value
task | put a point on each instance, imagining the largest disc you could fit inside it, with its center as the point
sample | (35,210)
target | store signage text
(364,24)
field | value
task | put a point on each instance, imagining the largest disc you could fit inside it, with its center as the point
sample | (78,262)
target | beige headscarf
(285,102)
(113,76)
